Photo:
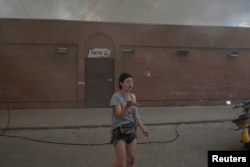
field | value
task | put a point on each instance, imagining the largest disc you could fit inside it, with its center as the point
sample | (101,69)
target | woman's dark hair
(124,76)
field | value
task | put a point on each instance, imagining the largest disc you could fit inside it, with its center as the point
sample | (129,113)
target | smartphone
(130,102)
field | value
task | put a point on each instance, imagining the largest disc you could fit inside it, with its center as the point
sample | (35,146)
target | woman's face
(127,84)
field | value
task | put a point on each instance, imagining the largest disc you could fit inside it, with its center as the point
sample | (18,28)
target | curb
(108,125)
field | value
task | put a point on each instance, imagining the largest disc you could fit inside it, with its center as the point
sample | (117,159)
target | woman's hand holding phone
(131,103)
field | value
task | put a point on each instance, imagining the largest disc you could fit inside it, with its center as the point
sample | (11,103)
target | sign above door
(99,53)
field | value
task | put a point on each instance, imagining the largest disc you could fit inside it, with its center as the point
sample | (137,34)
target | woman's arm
(120,112)
(139,121)
(143,128)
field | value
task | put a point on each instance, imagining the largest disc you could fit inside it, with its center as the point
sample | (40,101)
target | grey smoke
(181,12)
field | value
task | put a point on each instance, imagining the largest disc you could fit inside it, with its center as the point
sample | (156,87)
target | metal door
(99,85)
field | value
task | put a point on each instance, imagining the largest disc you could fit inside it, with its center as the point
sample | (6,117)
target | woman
(125,119)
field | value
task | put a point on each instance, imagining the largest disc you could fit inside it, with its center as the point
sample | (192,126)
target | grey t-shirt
(118,99)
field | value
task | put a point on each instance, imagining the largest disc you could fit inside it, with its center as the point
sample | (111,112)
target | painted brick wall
(203,77)
(36,76)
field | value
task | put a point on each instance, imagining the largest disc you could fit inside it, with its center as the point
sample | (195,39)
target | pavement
(181,136)
(67,118)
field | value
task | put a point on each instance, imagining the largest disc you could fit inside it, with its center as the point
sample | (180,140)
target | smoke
(182,12)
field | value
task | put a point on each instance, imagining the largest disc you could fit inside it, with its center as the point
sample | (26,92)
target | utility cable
(164,142)
(52,142)
(64,143)
(84,144)
(8,109)
(24,9)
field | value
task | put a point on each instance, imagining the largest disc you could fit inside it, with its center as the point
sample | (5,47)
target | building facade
(73,64)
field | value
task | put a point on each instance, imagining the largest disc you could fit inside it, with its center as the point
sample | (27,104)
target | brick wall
(172,65)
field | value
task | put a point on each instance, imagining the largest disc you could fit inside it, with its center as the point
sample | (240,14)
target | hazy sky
(181,12)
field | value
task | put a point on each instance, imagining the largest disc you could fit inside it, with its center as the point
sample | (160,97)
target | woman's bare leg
(120,153)
(131,153)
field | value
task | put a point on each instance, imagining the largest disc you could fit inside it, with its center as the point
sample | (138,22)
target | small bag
(129,128)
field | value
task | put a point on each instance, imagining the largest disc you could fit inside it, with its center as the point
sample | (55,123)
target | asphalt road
(176,145)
